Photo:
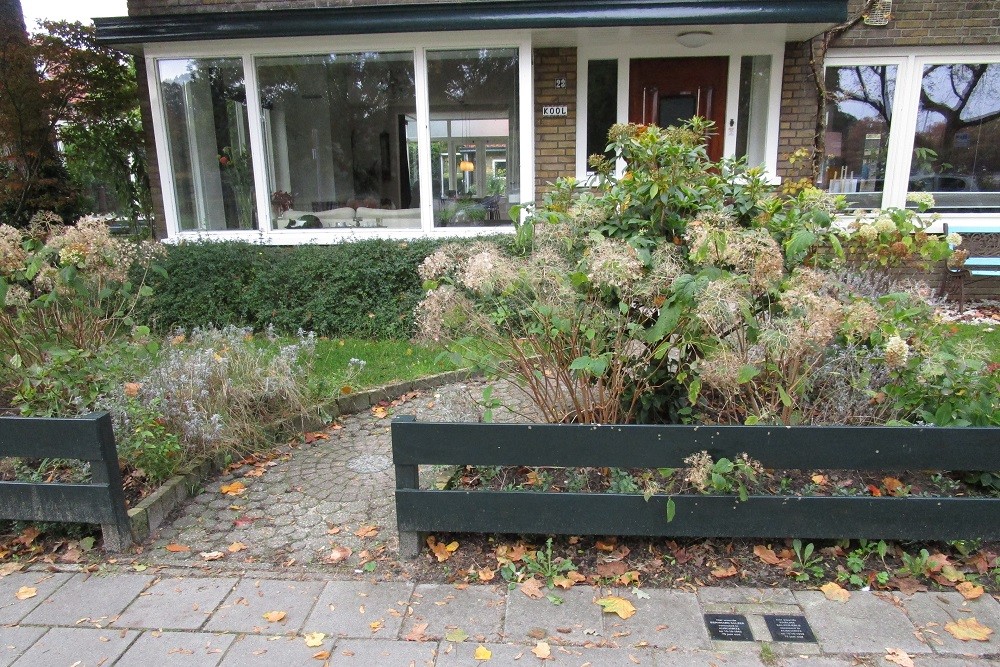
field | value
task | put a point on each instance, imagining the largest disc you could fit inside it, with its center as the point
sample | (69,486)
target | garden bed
(653,447)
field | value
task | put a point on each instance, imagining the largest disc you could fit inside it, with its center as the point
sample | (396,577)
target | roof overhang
(449,16)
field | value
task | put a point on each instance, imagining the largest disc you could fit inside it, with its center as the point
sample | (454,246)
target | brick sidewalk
(177,619)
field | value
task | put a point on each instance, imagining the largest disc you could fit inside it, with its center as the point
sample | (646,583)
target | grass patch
(386,361)
(981,336)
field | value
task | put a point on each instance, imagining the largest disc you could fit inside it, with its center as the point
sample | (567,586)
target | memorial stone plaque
(789,628)
(728,627)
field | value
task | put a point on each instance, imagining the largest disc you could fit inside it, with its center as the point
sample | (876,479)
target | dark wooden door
(668,91)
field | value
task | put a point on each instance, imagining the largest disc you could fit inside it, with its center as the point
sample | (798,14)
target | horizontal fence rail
(88,438)
(629,446)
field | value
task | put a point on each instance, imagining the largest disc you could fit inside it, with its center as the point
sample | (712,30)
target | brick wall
(150,7)
(555,137)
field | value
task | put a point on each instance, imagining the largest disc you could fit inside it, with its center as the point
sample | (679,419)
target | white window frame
(765,40)
(248,50)
(910,63)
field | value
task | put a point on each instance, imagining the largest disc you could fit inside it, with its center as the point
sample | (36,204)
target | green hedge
(366,289)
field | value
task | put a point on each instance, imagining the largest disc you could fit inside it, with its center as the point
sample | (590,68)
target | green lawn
(977,336)
(386,361)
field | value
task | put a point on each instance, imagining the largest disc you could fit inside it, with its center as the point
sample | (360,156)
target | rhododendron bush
(682,290)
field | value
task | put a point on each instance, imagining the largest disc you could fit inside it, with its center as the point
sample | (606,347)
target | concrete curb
(154,508)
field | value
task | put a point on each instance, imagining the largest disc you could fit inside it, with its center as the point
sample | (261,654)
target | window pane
(204,102)
(602,103)
(341,137)
(859,114)
(755,84)
(474,135)
(956,152)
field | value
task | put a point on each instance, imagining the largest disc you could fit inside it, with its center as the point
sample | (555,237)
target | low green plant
(151,449)
(917,565)
(857,564)
(547,566)
(723,476)
(806,564)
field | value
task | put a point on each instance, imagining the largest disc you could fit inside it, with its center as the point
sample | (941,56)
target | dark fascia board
(437,17)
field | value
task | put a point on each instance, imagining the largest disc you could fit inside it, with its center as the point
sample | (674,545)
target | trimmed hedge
(365,289)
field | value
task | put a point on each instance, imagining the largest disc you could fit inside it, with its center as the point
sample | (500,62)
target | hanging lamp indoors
(466,165)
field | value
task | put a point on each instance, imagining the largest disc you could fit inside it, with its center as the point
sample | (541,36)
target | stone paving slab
(13,610)
(667,619)
(177,603)
(767,597)
(706,659)
(349,608)
(931,612)
(244,608)
(455,655)
(863,624)
(84,647)
(576,621)
(176,649)
(16,640)
(939,661)
(476,610)
(97,598)
(372,652)
(273,651)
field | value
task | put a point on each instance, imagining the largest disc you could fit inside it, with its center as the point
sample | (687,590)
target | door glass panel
(474,135)
(956,155)
(341,140)
(859,115)
(751,121)
(204,104)
(676,109)
(602,103)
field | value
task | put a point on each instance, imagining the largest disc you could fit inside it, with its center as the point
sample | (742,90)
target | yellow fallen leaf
(532,588)
(542,650)
(834,592)
(274,616)
(482,653)
(25,592)
(898,656)
(380,412)
(452,547)
(440,549)
(617,605)
(968,628)
(233,489)
(486,574)
(376,625)
(969,590)
(236,546)
(321,655)
(314,639)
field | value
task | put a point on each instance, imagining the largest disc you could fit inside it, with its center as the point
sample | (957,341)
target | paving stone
(244,608)
(381,653)
(940,608)
(454,655)
(274,651)
(819,661)
(183,649)
(85,647)
(94,597)
(578,614)
(180,603)
(16,640)
(848,627)
(668,618)
(940,661)
(748,596)
(348,608)
(706,659)
(13,610)
(477,611)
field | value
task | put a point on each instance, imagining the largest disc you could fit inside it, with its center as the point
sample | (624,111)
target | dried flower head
(487,272)
(613,264)
(896,352)
(923,200)
(12,253)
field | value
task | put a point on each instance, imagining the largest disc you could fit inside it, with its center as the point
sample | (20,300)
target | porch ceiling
(447,16)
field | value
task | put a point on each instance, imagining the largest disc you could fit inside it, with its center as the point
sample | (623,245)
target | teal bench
(982,242)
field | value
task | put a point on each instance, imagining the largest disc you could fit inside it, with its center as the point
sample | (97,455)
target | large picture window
(474,135)
(204,106)
(340,134)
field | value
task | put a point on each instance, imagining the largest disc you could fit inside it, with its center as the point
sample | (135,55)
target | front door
(669,91)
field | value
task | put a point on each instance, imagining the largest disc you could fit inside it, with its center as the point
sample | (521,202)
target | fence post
(118,533)
(407,477)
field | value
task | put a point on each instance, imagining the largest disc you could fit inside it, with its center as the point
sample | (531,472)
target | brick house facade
(449,154)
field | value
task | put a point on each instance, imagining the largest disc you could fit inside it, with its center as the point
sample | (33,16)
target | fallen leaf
(417,633)
(560,581)
(333,530)
(532,588)
(482,653)
(456,635)
(968,628)
(321,655)
(537,633)
(952,574)
(274,616)
(542,651)
(607,544)
(25,592)
(28,535)
(314,639)
(898,656)
(617,605)
(907,585)
(725,573)
(132,389)
(212,555)
(367,531)
(874,490)
(486,574)
(833,591)
(313,437)
(969,590)
(893,485)
(819,479)
(611,570)
(233,489)
(177,548)
(376,625)
(10,568)
(630,578)
(380,412)
(236,546)
(442,551)
(767,555)
(338,554)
